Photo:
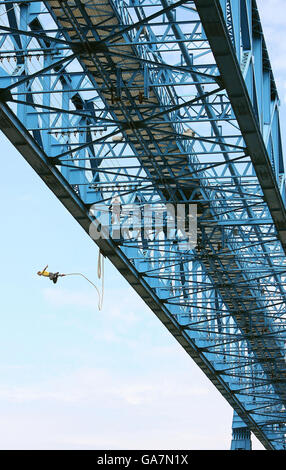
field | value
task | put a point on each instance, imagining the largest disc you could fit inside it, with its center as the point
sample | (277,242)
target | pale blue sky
(75,378)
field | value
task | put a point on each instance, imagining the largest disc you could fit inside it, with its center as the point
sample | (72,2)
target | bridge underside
(155,103)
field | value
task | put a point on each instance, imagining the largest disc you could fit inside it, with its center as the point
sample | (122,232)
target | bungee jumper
(52,276)
(100,273)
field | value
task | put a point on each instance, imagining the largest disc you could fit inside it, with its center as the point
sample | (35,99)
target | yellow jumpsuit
(52,276)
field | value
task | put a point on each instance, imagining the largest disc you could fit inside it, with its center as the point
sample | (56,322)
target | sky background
(72,377)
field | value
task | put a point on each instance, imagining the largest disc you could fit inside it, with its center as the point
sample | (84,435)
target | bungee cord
(100,274)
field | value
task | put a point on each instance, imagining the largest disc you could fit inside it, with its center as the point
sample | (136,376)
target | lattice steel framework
(155,102)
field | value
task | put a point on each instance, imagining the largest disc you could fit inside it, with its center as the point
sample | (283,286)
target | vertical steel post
(241,435)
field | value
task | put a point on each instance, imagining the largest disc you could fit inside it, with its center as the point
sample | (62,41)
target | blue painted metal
(241,436)
(167,102)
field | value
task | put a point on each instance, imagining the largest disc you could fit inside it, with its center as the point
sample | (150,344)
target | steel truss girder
(202,292)
(35,156)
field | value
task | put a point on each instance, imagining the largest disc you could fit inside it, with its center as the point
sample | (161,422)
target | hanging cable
(100,274)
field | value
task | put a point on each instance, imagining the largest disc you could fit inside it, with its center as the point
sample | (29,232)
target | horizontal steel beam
(212,18)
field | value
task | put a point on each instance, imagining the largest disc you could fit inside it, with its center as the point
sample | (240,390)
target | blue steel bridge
(168,102)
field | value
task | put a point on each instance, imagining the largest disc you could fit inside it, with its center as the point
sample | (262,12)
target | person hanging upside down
(52,276)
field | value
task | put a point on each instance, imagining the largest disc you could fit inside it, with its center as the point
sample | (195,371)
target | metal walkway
(156,102)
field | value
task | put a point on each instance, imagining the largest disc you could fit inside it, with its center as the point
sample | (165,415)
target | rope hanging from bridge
(100,274)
